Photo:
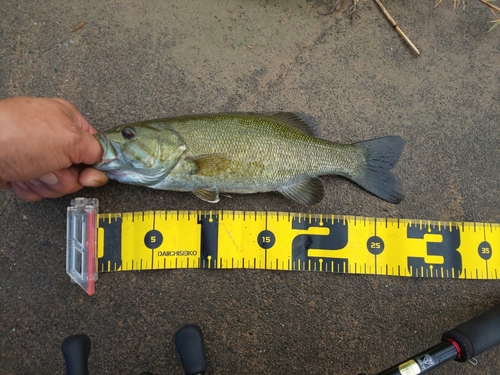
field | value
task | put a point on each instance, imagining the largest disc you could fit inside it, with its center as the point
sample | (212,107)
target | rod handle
(476,335)
(189,342)
(76,350)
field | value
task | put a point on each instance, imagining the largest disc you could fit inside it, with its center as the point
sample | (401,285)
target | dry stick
(490,5)
(398,29)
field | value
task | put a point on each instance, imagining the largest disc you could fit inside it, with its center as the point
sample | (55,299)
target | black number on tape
(335,240)
(266,239)
(209,240)
(484,250)
(153,239)
(375,245)
(451,264)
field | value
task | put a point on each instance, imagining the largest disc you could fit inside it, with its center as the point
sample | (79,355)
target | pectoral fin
(210,195)
(209,165)
(309,191)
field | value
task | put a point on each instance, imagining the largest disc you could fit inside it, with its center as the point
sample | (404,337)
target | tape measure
(157,240)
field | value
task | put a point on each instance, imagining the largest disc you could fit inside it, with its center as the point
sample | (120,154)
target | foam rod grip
(76,350)
(189,342)
(477,335)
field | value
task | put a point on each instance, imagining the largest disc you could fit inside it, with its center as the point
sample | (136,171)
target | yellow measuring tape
(157,240)
(294,241)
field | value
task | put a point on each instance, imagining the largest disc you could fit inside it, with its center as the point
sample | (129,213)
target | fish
(218,154)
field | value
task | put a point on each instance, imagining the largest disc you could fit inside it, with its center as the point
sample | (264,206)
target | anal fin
(308,192)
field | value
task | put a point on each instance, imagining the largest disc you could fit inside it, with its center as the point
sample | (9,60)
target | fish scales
(263,150)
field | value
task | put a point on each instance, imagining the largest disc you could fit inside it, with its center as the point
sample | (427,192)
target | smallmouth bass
(213,154)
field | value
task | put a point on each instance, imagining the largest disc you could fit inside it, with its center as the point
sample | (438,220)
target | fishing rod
(461,343)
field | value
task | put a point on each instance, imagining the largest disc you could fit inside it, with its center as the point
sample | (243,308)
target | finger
(67,183)
(85,149)
(4,185)
(24,192)
(85,125)
(43,190)
(91,177)
(49,179)
(77,116)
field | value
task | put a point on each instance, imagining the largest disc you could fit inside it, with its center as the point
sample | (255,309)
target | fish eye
(128,133)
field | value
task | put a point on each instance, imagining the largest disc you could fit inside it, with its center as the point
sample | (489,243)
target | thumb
(92,178)
(88,150)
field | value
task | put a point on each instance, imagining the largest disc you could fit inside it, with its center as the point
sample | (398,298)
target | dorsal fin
(295,120)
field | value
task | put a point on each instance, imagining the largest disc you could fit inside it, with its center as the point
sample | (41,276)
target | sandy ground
(136,60)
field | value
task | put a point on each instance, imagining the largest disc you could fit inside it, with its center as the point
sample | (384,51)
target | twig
(398,29)
(79,26)
(353,7)
(490,5)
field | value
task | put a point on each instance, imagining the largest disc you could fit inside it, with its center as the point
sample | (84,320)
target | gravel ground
(348,68)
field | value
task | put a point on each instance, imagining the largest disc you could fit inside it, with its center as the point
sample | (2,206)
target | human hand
(44,145)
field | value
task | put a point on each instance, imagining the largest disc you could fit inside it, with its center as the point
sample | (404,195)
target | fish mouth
(111,154)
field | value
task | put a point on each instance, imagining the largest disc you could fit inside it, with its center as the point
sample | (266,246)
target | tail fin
(381,154)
